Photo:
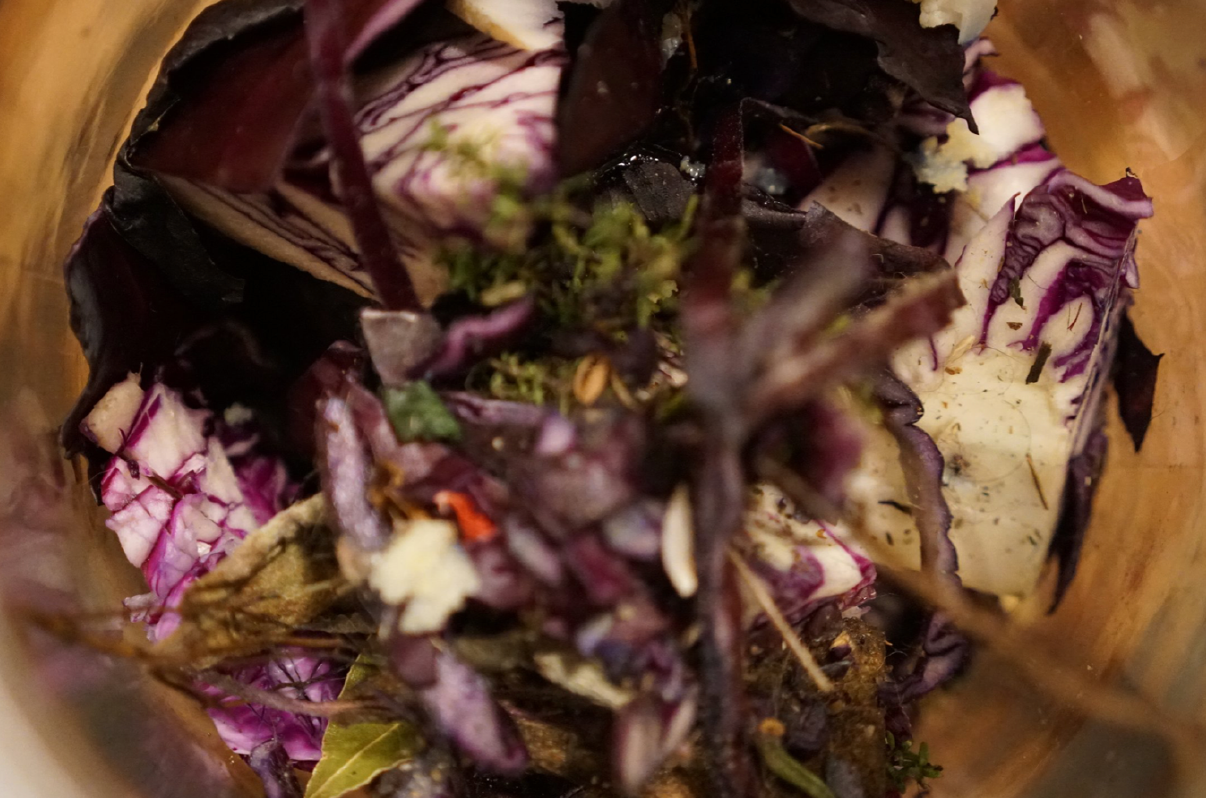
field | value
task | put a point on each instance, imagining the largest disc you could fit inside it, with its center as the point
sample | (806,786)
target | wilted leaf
(353,754)
(283,575)
(928,60)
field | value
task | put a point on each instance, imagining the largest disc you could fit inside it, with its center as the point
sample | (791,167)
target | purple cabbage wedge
(1013,387)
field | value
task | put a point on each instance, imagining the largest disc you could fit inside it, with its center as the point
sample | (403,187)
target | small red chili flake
(475,526)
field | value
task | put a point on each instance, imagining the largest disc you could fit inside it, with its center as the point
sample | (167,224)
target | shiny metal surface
(1120,83)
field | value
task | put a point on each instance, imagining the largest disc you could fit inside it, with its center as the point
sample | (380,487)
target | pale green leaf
(353,754)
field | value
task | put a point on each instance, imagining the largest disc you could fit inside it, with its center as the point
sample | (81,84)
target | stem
(326,32)
(719,504)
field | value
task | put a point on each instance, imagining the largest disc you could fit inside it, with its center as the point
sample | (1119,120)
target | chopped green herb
(905,765)
(1015,291)
(417,414)
(603,270)
(598,270)
(1040,362)
(511,377)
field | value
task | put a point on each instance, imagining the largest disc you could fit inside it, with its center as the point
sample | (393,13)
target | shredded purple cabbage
(185,487)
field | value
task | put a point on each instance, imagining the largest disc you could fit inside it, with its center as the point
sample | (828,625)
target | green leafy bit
(283,575)
(778,761)
(418,414)
(604,270)
(544,380)
(595,268)
(906,765)
(353,754)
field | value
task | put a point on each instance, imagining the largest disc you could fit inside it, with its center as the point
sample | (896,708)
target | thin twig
(801,137)
(274,700)
(767,603)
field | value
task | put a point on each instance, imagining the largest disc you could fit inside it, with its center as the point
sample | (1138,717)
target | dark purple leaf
(586,483)
(558,435)
(941,653)
(229,96)
(413,659)
(328,33)
(928,60)
(615,87)
(150,220)
(472,338)
(817,229)
(636,531)
(504,585)
(660,190)
(272,765)
(533,550)
(923,467)
(474,409)
(761,49)
(1135,373)
(347,469)
(460,704)
(126,316)
(633,642)
(604,577)
(379,18)
(224,363)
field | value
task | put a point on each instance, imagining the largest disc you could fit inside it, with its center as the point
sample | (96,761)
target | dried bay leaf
(353,754)
(282,576)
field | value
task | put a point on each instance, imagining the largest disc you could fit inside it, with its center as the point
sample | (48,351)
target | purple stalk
(718,501)
(327,35)
(719,492)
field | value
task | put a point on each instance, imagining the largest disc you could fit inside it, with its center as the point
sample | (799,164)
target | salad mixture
(524,398)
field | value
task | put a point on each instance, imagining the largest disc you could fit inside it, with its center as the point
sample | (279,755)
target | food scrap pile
(512,397)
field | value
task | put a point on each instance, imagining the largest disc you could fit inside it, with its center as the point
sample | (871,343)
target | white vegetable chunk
(969,16)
